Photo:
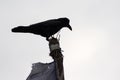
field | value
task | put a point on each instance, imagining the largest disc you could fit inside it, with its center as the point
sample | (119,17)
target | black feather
(46,28)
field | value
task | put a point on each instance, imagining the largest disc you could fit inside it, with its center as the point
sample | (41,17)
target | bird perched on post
(45,28)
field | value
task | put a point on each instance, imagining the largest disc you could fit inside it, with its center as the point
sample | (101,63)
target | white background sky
(91,50)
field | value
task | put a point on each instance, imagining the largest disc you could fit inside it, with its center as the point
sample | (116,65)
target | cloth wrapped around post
(43,71)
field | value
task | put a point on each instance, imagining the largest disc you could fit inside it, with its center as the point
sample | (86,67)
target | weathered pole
(56,54)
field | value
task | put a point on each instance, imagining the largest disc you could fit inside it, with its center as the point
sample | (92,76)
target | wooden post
(56,54)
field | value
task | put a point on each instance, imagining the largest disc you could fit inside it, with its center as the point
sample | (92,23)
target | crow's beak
(69,27)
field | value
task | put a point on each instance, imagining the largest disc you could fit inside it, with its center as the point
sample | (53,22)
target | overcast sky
(91,50)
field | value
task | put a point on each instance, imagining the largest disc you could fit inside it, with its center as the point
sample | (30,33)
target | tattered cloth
(43,71)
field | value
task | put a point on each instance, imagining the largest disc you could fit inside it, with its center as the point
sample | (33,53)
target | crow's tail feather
(21,29)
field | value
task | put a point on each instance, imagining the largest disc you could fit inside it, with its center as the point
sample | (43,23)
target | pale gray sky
(91,50)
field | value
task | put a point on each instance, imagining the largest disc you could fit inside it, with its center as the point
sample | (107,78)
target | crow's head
(65,21)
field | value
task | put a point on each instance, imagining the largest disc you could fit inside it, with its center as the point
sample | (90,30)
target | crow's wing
(51,27)
(46,28)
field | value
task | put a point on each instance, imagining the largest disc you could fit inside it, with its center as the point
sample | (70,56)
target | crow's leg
(58,37)
(47,38)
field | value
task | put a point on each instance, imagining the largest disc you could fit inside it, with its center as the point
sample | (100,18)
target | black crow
(45,28)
